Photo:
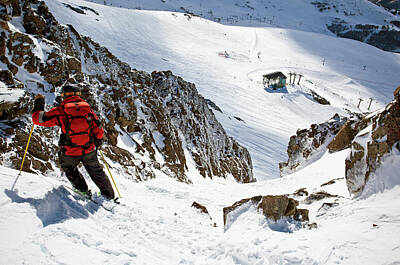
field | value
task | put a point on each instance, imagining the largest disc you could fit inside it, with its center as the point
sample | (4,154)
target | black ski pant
(95,170)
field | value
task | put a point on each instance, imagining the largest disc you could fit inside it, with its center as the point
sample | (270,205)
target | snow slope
(42,223)
(331,66)
(269,13)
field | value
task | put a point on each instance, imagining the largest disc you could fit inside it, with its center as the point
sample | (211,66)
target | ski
(107,205)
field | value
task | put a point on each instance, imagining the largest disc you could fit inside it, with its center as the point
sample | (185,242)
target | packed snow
(41,222)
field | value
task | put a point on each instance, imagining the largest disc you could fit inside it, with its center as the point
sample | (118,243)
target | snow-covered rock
(274,208)
(384,37)
(310,144)
(378,142)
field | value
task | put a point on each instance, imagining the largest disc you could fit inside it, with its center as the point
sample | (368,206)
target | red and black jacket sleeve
(47,119)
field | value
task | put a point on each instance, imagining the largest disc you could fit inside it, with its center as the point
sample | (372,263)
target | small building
(274,80)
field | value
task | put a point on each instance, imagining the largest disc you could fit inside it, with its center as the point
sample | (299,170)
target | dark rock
(301,192)
(301,215)
(310,226)
(12,68)
(333,181)
(317,196)
(396,23)
(32,66)
(12,110)
(3,44)
(328,183)
(396,94)
(388,4)
(327,205)
(202,208)
(213,105)
(273,208)
(380,37)
(238,118)
(17,161)
(4,25)
(33,23)
(74,64)
(15,7)
(20,46)
(76,9)
(319,99)
(343,138)
(7,77)
(54,70)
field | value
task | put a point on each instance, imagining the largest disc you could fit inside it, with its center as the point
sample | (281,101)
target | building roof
(274,75)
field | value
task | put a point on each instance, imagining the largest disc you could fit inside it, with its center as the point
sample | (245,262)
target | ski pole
(115,185)
(23,159)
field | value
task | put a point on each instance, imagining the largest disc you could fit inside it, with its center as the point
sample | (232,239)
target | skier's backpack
(78,125)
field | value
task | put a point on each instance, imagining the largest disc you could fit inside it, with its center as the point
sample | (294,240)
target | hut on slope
(274,80)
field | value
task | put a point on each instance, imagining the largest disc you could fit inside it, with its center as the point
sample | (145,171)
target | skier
(81,135)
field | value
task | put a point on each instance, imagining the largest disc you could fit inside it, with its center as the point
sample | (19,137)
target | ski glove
(98,143)
(38,103)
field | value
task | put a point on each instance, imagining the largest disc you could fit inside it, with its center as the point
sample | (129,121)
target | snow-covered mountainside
(158,126)
(227,63)
(359,19)
(152,122)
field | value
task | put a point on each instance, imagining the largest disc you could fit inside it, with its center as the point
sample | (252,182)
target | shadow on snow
(282,90)
(56,207)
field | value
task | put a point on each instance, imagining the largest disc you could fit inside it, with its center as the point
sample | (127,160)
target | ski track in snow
(156,225)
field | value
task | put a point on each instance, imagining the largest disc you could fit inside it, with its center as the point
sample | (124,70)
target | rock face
(272,207)
(152,121)
(346,135)
(382,37)
(388,4)
(317,196)
(309,143)
(385,36)
(373,145)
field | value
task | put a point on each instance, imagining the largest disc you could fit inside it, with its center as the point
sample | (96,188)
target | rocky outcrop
(373,145)
(387,4)
(203,210)
(309,143)
(273,208)
(152,121)
(380,36)
(317,196)
(321,100)
(345,136)
(200,207)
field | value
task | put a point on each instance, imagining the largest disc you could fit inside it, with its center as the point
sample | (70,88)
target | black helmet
(70,90)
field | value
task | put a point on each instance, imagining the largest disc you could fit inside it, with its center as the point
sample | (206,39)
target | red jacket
(56,117)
